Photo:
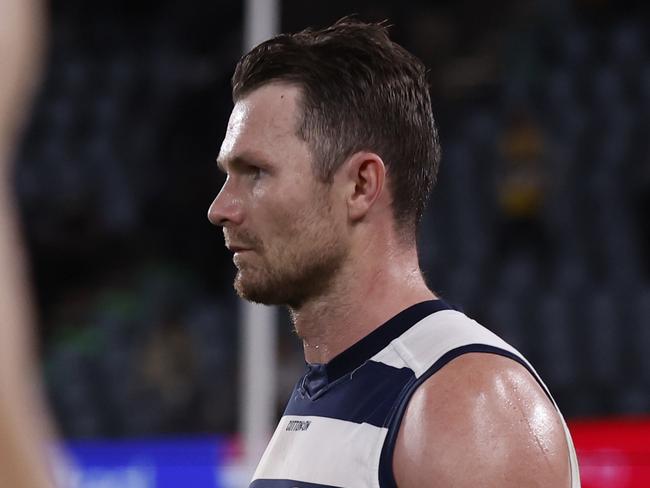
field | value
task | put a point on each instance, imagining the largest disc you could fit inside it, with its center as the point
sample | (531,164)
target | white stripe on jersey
(428,340)
(351,449)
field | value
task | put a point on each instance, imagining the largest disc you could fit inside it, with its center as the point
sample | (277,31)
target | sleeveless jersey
(341,423)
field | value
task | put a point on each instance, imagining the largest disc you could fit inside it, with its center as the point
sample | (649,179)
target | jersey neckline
(320,375)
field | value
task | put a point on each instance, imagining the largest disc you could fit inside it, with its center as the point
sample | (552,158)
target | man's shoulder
(482,420)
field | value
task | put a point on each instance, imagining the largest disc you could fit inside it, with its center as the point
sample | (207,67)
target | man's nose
(226,208)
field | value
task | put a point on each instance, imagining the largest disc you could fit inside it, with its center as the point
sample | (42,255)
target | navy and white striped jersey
(341,423)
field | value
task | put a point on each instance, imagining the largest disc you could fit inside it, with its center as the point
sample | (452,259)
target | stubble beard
(300,268)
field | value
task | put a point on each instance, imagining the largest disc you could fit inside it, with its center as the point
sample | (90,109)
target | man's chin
(257,294)
(262,288)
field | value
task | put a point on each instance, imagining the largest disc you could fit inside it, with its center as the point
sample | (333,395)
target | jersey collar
(320,375)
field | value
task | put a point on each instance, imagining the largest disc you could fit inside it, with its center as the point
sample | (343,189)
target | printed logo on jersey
(298,425)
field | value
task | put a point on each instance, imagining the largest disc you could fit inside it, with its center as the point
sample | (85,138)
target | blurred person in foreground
(23,423)
(330,153)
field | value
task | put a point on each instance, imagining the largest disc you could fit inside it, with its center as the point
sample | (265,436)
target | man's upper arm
(481,421)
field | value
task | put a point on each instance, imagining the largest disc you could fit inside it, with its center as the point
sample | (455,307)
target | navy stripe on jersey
(386,475)
(265,483)
(378,339)
(365,395)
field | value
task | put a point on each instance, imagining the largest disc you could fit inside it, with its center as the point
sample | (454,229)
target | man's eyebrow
(242,159)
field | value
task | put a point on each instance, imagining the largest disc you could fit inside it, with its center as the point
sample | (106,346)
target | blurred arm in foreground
(23,422)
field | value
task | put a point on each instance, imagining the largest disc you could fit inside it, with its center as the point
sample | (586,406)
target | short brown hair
(360,91)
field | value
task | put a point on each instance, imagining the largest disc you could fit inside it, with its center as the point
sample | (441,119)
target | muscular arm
(483,421)
(22,421)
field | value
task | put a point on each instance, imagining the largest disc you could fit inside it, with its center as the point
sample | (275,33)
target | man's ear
(365,174)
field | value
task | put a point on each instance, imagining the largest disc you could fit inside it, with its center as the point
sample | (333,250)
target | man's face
(283,224)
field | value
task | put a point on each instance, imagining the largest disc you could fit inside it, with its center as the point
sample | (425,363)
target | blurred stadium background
(538,226)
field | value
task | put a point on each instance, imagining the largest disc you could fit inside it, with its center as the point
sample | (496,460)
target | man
(330,154)
(22,422)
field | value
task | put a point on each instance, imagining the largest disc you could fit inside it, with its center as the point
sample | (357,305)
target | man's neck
(362,298)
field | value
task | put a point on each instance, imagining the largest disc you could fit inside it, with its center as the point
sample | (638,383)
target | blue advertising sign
(192,463)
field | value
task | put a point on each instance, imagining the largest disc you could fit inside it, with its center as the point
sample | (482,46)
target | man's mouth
(237,249)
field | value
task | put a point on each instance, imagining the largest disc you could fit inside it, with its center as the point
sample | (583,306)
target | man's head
(320,119)
(360,91)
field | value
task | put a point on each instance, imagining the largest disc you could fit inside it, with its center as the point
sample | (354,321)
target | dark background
(538,226)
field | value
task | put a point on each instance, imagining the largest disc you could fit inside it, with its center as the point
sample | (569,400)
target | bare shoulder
(482,420)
